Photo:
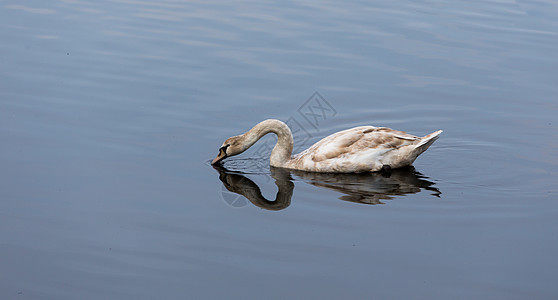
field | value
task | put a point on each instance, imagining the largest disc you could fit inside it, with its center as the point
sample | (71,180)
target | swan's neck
(282,151)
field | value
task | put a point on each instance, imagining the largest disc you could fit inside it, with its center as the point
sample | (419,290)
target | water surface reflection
(365,188)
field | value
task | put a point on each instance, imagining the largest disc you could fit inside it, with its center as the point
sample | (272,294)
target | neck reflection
(242,185)
(365,188)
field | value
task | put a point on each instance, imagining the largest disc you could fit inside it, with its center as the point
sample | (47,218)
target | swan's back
(362,149)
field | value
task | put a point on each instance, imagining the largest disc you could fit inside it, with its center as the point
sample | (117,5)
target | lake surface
(111,110)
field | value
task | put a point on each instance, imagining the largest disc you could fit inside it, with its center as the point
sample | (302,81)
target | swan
(355,150)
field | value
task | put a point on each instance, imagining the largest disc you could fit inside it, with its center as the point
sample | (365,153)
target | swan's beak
(222,155)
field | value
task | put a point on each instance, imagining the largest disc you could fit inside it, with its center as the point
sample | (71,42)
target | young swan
(355,150)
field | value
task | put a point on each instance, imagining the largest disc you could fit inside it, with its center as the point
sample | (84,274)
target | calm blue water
(111,110)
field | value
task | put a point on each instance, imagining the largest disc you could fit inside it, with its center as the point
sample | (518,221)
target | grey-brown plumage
(359,149)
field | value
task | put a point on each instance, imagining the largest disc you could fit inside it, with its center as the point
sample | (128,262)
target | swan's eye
(224,149)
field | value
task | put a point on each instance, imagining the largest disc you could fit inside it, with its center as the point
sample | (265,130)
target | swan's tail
(426,141)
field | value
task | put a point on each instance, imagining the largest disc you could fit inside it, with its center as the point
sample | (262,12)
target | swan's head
(231,147)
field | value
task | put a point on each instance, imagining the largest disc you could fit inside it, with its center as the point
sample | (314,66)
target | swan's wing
(336,144)
(359,149)
(360,141)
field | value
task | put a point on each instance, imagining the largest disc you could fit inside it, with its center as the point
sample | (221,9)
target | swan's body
(359,149)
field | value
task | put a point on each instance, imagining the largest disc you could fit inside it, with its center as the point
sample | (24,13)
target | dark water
(110,111)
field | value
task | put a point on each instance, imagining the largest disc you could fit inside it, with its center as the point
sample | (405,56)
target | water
(110,111)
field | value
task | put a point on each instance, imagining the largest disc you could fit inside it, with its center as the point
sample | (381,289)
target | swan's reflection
(242,185)
(366,188)
(371,188)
